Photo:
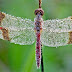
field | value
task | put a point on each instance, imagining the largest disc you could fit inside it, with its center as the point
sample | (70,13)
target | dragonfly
(53,33)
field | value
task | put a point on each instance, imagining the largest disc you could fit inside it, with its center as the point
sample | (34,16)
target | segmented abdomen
(38,50)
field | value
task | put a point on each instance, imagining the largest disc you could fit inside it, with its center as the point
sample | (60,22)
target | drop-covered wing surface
(21,31)
(56,32)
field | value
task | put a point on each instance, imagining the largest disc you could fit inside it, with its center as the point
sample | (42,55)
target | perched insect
(56,32)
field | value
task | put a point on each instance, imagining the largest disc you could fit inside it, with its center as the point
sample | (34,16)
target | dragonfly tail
(38,50)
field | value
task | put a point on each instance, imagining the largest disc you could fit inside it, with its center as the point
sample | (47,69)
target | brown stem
(39,3)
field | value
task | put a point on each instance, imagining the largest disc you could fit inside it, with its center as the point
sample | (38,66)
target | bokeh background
(17,58)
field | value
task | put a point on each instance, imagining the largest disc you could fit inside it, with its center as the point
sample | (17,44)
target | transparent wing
(56,32)
(21,31)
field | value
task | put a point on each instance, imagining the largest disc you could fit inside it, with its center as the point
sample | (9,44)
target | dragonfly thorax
(38,23)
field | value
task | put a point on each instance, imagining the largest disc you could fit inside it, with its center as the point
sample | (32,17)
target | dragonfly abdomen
(38,50)
(38,29)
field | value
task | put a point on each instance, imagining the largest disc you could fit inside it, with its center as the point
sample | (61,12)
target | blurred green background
(17,58)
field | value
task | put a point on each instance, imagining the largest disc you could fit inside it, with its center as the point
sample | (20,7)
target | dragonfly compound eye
(39,11)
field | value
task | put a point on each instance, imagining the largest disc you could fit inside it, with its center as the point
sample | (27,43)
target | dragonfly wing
(21,31)
(22,37)
(17,22)
(56,32)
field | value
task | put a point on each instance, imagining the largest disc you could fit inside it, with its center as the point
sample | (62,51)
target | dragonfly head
(39,11)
